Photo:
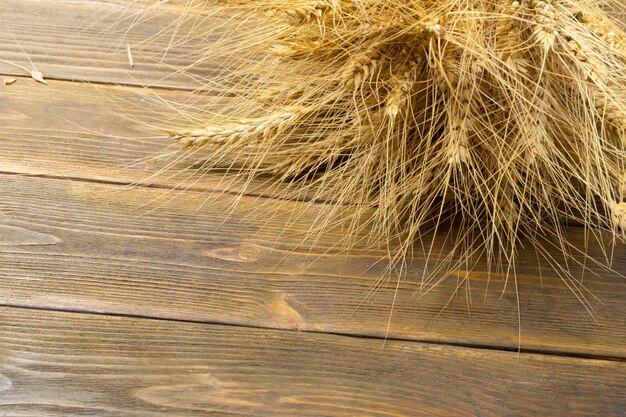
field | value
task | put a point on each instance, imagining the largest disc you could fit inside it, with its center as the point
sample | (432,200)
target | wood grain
(235,272)
(103,133)
(59,364)
(86,41)
(73,238)
(95,247)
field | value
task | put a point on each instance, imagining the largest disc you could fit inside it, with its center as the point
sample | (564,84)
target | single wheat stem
(589,72)
(533,120)
(459,123)
(508,36)
(262,127)
(430,27)
(362,67)
(400,93)
(296,50)
(458,84)
(543,14)
(536,127)
(427,27)
(313,11)
(283,93)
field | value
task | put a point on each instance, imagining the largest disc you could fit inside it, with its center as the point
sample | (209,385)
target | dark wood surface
(123,299)
(61,364)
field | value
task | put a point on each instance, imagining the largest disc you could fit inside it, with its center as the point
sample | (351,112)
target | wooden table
(121,300)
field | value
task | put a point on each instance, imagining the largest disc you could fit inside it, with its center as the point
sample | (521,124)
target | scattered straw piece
(37,76)
(9,81)
(130,56)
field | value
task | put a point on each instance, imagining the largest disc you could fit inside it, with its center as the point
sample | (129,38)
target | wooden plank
(77,131)
(95,247)
(60,364)
(86,41)
(103,133)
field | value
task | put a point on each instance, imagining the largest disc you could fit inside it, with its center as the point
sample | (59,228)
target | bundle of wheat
(506,117)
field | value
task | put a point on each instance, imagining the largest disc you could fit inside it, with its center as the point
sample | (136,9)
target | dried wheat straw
(506,117)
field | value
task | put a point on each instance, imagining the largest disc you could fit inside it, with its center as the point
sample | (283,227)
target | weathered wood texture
(104,133)
(87,132)
(72,238)
(95,247)
(60,364)
(86,41)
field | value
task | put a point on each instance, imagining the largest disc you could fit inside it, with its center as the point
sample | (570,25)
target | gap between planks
(181,263)
(157,186)
(113,366)
(383,340)
(19,74)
